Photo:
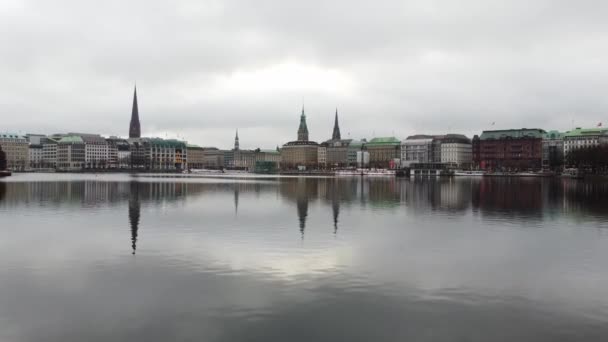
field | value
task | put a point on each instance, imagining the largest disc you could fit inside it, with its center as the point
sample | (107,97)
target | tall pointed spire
(134,126)
(303,129)
(336,133)
(236,140)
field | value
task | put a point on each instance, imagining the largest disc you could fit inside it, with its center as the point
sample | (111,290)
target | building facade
(301,153)
(196,157)
(384,152)
(70,153)
(456,151)
(509,150)
(213,158)
(553,150)
(417,149)
(582,137)
(16,149)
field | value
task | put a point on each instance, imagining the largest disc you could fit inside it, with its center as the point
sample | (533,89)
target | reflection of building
(512,149)
(301,152)
(16,149)
(384,152)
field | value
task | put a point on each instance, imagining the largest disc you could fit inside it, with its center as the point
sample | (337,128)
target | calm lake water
(122,258)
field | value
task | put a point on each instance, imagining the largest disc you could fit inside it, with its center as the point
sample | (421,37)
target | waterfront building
(322,155)
(140,153)
(553,150)
(49,152)
(268,156)
(96,152)
(196,157)
(509,150)
(134,125)
(302,152)
(119,154)
(168,154)
(456,151)
(35,156)
(583,137)
(417,149)
(17,151)
(213,158)
(384,152)
(71,153)
(356,154)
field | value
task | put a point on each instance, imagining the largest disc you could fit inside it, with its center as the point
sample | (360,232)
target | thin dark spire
(303,129)
(336,134)
(134,125)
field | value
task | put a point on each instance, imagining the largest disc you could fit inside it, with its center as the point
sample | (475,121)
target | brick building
(509,150)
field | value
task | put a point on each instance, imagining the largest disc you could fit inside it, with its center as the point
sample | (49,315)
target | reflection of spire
(302,203)
(236,199)
(134,213)
(335,206)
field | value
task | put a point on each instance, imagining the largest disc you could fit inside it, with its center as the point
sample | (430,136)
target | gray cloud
(205,68)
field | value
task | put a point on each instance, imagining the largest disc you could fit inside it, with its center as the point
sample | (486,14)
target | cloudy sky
(207,67)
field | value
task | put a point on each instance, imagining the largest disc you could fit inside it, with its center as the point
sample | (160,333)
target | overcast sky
(205,68)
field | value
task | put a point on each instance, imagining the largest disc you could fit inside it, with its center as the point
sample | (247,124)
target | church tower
(236,141)
(336,134)
(134,127)
(303,129)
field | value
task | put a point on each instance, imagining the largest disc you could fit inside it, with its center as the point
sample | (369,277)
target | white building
(583,137)
(416,149)
(49,153)
(35,154)
(456,150)
(96,151)
(322,154)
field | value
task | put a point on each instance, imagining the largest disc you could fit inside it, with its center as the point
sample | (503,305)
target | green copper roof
(554,135)
(384,141)
(170,143)
(71,139)
(582,132)
(513,134)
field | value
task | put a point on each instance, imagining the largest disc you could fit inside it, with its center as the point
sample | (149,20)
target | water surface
(123,258)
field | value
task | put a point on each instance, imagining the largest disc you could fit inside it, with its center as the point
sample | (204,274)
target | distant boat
(206,171)
(365,172)
(469,173)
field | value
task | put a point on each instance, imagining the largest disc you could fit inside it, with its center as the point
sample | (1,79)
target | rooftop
(534,133)
(384,141)
(71,139)
(11,136)
(582,132)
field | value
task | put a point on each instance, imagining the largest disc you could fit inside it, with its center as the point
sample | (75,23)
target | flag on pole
(599,124)
(493,123)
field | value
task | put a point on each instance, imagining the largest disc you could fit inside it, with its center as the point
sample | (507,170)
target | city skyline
(391,67)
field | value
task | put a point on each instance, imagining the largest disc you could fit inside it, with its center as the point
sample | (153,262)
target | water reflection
(224,259)
(134,213)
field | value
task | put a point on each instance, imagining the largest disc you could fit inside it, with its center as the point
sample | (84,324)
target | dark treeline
(593,159)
